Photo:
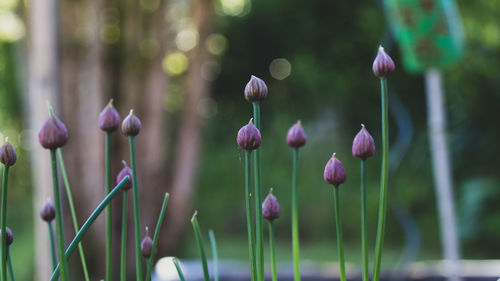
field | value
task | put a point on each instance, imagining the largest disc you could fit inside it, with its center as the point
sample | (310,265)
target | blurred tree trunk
(43,86)
(189,135)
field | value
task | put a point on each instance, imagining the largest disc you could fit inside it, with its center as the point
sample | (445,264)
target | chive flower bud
(383,65)
(296,136)
(255,90)
(363,145)
(10,236)
(53,133)
(109,119)
(48,211)
(8,154)
(146,246)
(249,137)
(126,171)
(270,207)
(131,125)
(334,172)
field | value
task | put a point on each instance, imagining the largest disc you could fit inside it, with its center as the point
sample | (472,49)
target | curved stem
(52,245)
(123,253)
(73,212)
(137,217)
(59,218)
(259,229)
(295,217)
(87,225)
(11,269)
(3,222)
(215,256)
(250,220)
(338,222)
(364,251)
(383,182)
(201,246)
(155,237)
(272,245)
(109,226)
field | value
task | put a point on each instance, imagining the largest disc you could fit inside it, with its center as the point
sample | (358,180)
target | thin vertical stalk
(364,251)
(137,217)
(215,256)
(340,242)
(272,245)
(109,226)
(87,225)
(73,212)
(52,245)
(383,182)
(123,252)
(250,219)
(201,246)
(11,269)
(295,217)
(155,237)
(3,222)
(59,218)
(179,270)
(259,230)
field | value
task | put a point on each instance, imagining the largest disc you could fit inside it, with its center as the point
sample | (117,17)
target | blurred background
(183,65)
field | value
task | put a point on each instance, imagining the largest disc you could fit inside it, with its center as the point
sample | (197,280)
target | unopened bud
(126,171)
(109,119)
(249,137)
(146,246)
(255,90)
(10,236)
(296,136)
(363,145)
(131,125)
(48,211)
(383,65)
(334,172)
(8,154)
(53,133)
(270,207)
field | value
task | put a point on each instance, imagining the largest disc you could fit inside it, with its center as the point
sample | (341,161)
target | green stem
(155,237)
(259,230)
(273,251)
(383,182)
(3,222)
(52,245)
(137,217)
(364,251)
(338,222)
(123,257)
(250,219)
(215,256)
(87,225)
(109,226)
(179,270)
(11,269)
(295,217)
(73,212)
(59,218)
(201,246)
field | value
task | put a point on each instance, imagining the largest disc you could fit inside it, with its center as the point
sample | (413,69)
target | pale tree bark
(190,130)
(43,86)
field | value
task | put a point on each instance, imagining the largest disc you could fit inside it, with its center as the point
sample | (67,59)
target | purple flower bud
(8,154)
(146,246)
(10,236)
(296,136)
(383,65)
(131,125)
(53,133)
(126,171)
(109,119)
(255,90)
(363,145)
(249,137)
(334,172)
(48,211)
(270,207)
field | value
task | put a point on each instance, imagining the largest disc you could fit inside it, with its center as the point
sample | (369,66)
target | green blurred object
(429,32)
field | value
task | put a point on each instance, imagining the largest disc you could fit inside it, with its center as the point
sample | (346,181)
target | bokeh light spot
(186,39)
(11,27)
(175,63)
(165,269)
(280,68)
(235,7)
(216,44)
